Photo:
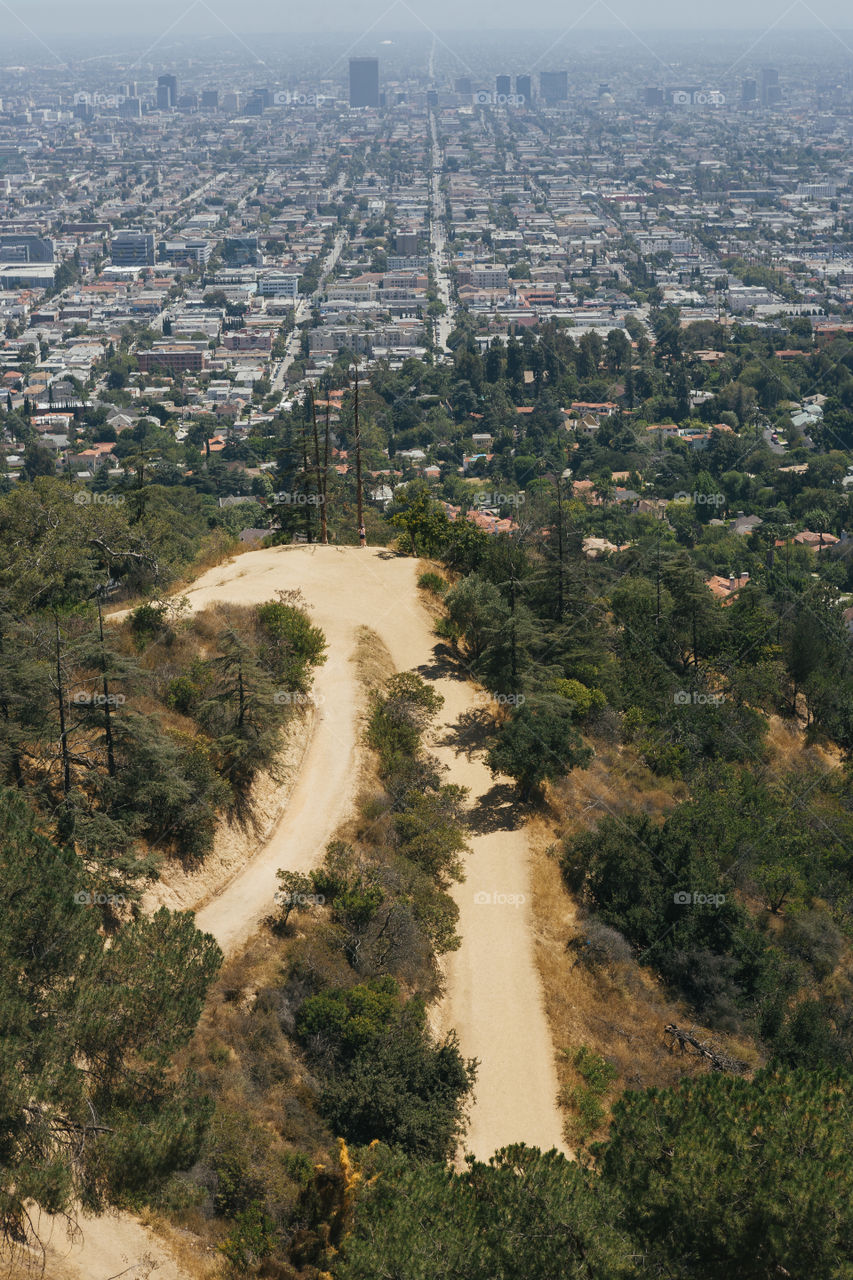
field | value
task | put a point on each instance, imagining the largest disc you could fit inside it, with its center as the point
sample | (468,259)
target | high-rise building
(132,249)
(364,82)
(503,85)
(554,86)
(259,101)
(654,97)
(524,87)
(25,247)
(210,100)
(130,109)
(432,97)
(241,251)
(771,92)
(748,91)
(167,93)
(462,84)
(407,243)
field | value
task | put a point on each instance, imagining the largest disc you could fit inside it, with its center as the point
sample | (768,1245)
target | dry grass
(619,1011)
(789,747)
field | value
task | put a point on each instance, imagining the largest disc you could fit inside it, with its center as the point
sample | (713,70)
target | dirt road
(493,992)
(493,996)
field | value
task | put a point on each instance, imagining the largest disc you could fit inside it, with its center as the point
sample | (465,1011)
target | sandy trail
(493,997)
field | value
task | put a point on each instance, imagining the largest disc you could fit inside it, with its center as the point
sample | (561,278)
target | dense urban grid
(426,657)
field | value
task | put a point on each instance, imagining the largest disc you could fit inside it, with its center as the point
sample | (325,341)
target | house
(817,541)
(744,525)
(595,547)
(725,588)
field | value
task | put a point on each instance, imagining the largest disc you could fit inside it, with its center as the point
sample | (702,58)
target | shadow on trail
(473,732)
(499,809)
(445,665)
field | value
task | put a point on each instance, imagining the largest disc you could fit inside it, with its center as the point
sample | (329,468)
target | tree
(538,742)
(90,1110)
(725,1176)
(295,891)
(525,1213)
(416,511)
(719,1177)
(385,1076)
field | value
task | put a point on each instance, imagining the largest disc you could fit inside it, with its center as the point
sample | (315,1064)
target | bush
(385,1077)
(434,583)
(291,645)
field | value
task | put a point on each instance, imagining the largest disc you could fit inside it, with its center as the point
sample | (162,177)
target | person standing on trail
(362,536)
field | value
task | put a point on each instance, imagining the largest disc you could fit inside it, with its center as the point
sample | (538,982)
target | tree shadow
(499,809)
(445,665)
(471,733)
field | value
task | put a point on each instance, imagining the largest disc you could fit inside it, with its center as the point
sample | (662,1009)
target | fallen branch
(686,1042)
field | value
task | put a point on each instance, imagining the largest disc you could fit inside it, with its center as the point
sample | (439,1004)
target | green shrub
(434,583)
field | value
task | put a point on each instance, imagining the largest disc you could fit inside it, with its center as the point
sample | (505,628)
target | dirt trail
(493,998)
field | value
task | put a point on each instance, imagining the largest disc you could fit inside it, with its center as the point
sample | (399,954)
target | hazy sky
(154,18)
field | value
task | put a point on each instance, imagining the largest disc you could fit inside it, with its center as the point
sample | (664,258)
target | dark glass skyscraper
(167,92)
(554,85)
(364,82)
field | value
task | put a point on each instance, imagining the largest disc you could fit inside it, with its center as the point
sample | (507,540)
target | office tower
(262,97)
(603,89)
(132,249)
(130,90)
(210,100)
(130,109)
(407,243)
(771,92)
(241,251)
(503,85)
(432,97)
(167,92)
(84,111)
(462,84)
(554,86)
(25,247)
(749,91)
(364,82)
(653,97)
(524,87)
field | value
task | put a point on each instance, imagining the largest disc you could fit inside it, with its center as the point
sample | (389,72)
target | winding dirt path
(493,995)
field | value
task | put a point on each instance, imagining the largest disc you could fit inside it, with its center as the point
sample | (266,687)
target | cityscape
(426,646)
